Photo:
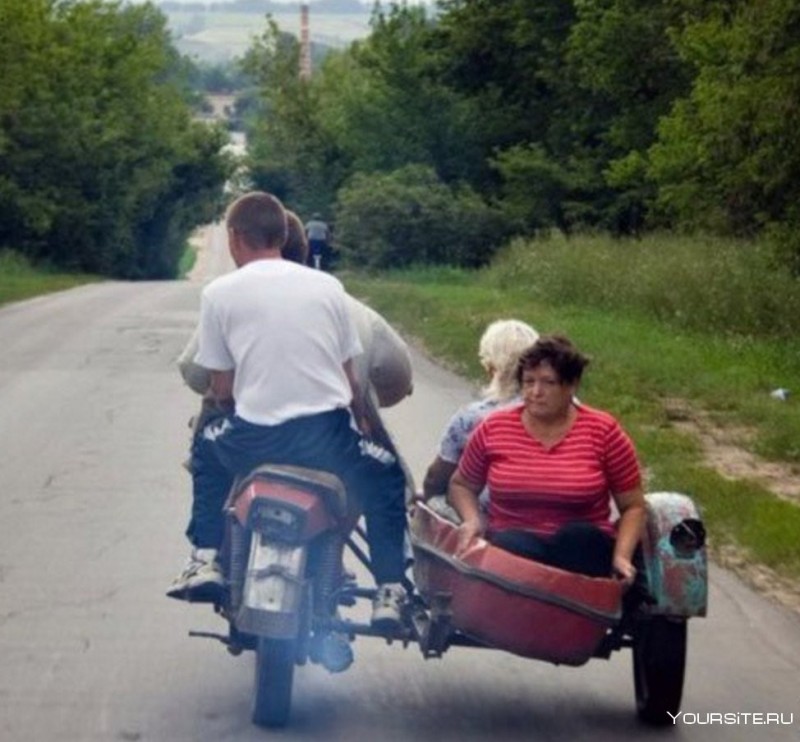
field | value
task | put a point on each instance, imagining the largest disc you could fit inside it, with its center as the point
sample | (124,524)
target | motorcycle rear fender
(274,587)
(289,503)
(675,559)
(284,511)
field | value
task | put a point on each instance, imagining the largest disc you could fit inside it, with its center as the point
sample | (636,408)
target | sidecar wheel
(272,691)
(659,663)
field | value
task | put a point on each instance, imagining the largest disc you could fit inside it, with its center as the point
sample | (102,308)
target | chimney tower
(305,44)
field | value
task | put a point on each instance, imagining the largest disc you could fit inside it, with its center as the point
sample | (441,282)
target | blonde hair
(500,348)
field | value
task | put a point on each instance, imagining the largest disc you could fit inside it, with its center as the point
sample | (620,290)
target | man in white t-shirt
(383,371)
(280,344)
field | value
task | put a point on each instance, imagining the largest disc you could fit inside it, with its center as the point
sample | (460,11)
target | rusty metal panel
(675,559)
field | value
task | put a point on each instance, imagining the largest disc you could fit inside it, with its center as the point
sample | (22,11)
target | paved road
(92,504)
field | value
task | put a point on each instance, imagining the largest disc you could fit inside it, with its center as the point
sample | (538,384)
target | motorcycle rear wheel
(274,675)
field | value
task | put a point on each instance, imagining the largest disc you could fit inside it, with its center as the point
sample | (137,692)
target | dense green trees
(479,121)
(728,155)
(410,216)
(617,115)
(376,109)
(291,153)
(101,167)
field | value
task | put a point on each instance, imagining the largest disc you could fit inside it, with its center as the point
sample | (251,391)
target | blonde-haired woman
(499,350)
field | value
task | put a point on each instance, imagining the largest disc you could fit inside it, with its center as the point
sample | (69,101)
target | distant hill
(217,32)
(266,6)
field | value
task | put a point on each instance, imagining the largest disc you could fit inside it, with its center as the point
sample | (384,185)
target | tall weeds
(719,286)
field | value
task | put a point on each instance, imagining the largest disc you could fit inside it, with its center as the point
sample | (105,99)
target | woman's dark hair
(559,351)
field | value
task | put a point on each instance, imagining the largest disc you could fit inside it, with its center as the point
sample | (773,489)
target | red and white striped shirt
(541,489)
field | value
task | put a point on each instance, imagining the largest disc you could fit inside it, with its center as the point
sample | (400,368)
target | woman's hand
(468,531)
(463,496)
(624,570)
(632,518)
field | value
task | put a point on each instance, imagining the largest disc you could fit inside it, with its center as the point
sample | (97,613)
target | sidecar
(496,599)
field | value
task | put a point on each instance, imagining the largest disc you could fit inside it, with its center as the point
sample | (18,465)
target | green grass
(708,284)
(187,261)
(639,363)
(19,280)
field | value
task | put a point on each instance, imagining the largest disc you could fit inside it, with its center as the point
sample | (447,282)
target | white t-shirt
(317,230)
(286,330)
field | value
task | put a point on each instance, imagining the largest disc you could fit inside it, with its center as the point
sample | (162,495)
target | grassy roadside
(639,366)
(187,261)
(18,280)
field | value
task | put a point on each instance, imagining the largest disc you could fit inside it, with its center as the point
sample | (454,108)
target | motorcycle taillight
(279,521)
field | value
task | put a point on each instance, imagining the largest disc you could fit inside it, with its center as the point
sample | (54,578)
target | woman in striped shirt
(552,466)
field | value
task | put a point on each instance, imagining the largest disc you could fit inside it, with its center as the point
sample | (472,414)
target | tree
(391,220)
(728,154)
(628,73)
(96,137)
(540,131)
(373,107)
(386,106)
(290,152)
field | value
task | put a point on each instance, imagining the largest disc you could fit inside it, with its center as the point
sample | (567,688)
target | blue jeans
(228,446)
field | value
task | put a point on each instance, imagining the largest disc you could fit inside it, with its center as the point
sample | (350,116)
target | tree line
(102,167)
(442,134)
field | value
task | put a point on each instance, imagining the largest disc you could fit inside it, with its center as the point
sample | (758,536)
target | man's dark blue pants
(228,446)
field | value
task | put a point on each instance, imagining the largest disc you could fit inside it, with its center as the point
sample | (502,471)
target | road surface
(93,501)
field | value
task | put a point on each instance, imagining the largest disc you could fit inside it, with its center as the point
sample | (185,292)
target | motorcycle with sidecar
(288,593)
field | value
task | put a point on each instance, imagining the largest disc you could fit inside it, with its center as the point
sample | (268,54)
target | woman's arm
(451,446)
(631,506)
(463,496)
(437,478)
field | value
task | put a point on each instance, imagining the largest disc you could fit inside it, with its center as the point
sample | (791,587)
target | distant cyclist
(319,253)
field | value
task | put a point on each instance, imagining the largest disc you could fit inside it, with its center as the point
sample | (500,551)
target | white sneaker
(201,579)
(387,606)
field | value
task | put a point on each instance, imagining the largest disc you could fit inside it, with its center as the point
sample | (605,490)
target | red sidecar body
(507,602)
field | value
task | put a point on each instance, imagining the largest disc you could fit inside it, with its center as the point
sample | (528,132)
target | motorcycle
(288,529)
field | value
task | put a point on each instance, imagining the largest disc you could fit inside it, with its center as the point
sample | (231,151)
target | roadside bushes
(711,284)
(409,216)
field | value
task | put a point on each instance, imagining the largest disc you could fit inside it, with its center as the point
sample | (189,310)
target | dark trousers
(577,547)
(229,446)
(320,249)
